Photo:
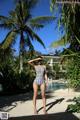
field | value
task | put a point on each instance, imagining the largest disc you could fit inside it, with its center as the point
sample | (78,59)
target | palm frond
(77,39)
(69,55)
(6,22)
(42,19)
(8,40)
(22,12)
(36,37)
(3,18)
(13,16)
(29,44)
(5,26)
(32,3)
(29,3)
(36,26)
(60,42)
(33,35)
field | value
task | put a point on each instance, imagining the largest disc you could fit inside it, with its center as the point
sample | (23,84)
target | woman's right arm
(31,61)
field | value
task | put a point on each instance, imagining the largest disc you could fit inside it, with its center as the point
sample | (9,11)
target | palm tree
(70,21)
(20,23)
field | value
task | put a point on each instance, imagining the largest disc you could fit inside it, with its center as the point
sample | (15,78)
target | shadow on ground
(9,102)
(56,116)
(51,104)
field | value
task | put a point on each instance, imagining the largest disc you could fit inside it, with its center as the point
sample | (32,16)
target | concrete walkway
(21,105)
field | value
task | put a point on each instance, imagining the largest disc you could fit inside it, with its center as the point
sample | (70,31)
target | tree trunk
(21,52)
(21,63)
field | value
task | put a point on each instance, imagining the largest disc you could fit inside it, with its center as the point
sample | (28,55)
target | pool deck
(22,105)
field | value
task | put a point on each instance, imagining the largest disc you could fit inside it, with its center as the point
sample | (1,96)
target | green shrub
(74,107)
(73,73)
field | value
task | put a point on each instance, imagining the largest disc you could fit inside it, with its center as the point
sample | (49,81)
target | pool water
(56,86)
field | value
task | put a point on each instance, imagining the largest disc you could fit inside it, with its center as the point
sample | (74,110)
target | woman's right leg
(43,97)
(35,89)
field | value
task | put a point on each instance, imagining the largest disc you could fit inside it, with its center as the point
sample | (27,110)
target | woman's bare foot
(35,112)
(45,112)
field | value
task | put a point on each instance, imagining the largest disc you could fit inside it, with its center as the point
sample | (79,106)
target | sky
(48,34)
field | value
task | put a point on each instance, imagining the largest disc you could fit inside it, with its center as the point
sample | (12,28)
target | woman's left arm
(46,77)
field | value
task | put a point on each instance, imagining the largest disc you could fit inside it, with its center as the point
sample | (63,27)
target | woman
(41,77)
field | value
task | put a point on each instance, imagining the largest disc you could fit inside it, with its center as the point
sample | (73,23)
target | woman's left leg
(35,88)
(42,87)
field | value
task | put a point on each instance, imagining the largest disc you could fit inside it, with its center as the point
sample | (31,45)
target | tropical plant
(73,72)
(74,107)
(68,22)
(20,23)
(10,79)
(7,78)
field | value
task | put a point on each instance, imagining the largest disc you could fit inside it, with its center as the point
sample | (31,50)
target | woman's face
(39,62)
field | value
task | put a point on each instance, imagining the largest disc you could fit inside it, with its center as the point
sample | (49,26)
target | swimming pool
(56,86)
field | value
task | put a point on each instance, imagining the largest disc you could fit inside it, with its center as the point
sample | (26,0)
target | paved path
(21,105)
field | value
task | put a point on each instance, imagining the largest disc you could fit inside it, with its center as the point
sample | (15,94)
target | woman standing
(41,77)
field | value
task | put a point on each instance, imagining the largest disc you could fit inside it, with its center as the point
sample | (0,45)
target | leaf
(5,26)
(42,19)
(3,18)
(6,22)
(52,3)
(29,44)
(32,35)
(36,25)
(8,40)
(32,3)
(60,42)
(77,39)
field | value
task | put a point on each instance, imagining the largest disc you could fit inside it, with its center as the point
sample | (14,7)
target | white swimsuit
(40,71)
